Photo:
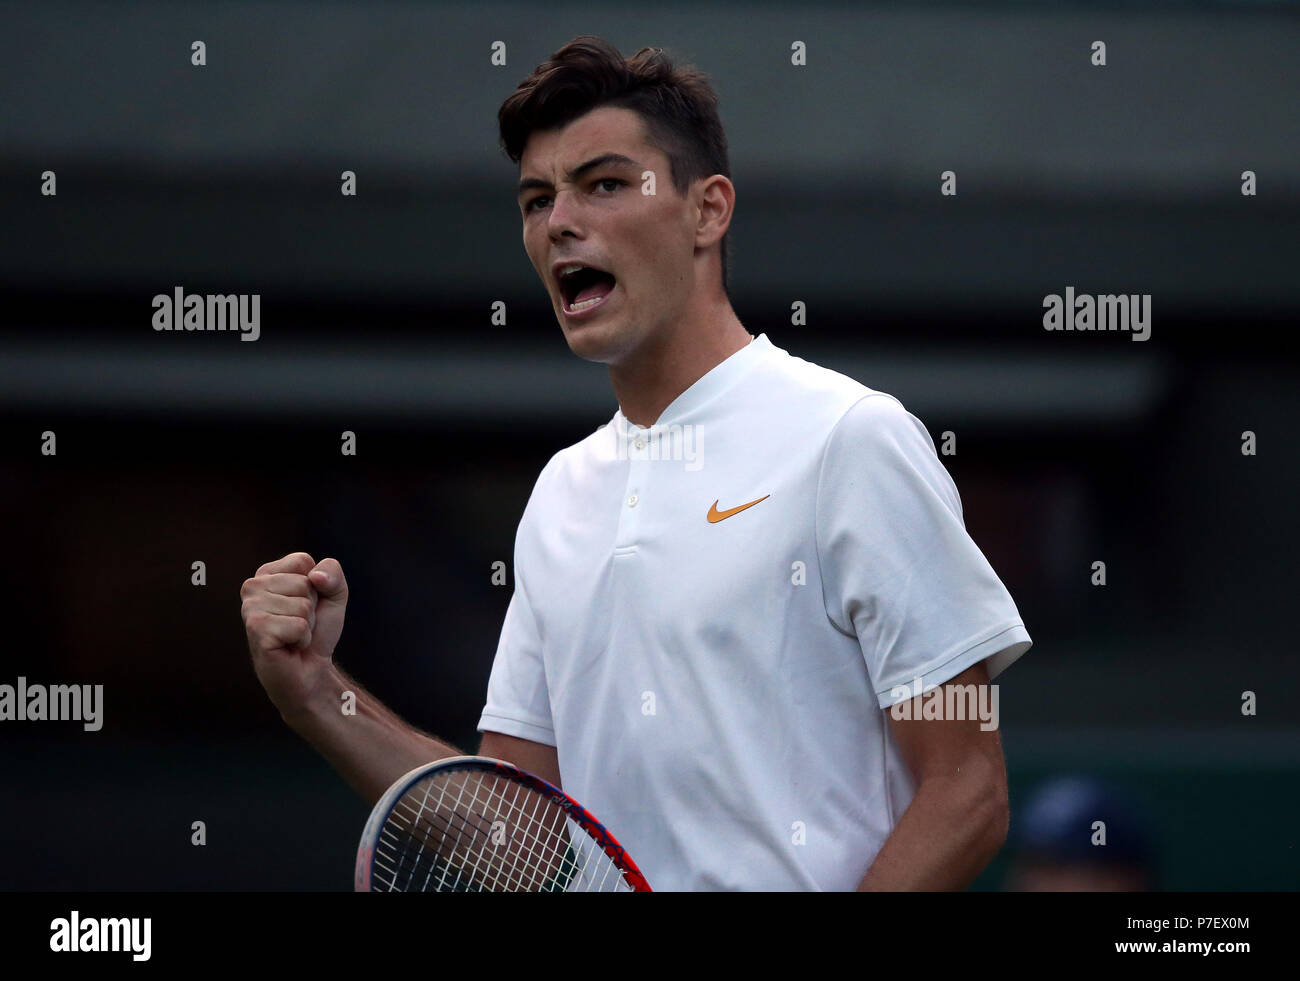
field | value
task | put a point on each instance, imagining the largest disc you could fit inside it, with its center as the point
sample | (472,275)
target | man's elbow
(999,822)
(979,805)
(994,809)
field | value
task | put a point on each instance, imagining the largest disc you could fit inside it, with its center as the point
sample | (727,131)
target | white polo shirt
(714,688)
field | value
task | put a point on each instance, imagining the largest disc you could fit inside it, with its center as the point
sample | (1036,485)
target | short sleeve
(899,570)
(518,702)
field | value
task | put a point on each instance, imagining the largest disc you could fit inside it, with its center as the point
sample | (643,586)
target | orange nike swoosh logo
(715,515)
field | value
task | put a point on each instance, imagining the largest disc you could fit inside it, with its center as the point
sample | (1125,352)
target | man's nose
(563,218)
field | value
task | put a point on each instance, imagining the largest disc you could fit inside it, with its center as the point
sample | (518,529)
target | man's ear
(716,197)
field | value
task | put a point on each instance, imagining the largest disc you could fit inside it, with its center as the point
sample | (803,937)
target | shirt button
(640,443)
(631,501)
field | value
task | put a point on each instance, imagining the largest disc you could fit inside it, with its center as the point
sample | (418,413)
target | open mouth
(584,287)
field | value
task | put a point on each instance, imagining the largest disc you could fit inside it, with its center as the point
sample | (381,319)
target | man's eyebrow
(604,160)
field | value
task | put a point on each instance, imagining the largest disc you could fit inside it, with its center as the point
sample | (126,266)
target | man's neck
(664,368)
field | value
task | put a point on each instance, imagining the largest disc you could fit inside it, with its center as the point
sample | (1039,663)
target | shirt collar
(713,383)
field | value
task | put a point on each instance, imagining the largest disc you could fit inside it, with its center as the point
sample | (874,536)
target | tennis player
(719,595)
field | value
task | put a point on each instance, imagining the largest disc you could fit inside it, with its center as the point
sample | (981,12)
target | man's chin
(594,342)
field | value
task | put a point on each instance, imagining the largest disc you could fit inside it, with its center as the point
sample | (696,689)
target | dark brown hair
(677,104)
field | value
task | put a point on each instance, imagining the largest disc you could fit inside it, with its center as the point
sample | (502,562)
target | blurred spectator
(1080,834)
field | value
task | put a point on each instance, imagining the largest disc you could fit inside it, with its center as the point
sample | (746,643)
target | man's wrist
(306,715)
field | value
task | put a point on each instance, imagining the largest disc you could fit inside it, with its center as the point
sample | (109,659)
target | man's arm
(374,747)
(293,611)
(536,758)
(958,818)
(371,749)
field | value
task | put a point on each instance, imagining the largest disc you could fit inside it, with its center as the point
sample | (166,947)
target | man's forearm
(370,749)
(948,834)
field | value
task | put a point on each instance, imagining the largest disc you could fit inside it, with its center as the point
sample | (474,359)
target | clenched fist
(293,615)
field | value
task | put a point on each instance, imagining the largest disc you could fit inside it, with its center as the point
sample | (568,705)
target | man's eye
(615,181)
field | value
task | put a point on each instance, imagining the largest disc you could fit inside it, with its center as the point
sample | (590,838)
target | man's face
(598,217)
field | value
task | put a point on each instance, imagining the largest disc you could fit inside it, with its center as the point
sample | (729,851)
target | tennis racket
(474,824)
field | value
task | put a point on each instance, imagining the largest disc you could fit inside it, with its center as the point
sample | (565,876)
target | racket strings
(464,827)
(494,869)
(485,866)
(474,831)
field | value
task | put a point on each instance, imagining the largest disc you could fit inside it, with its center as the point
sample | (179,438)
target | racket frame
(380,813)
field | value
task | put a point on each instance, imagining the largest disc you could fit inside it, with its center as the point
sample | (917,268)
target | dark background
(1072,448)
